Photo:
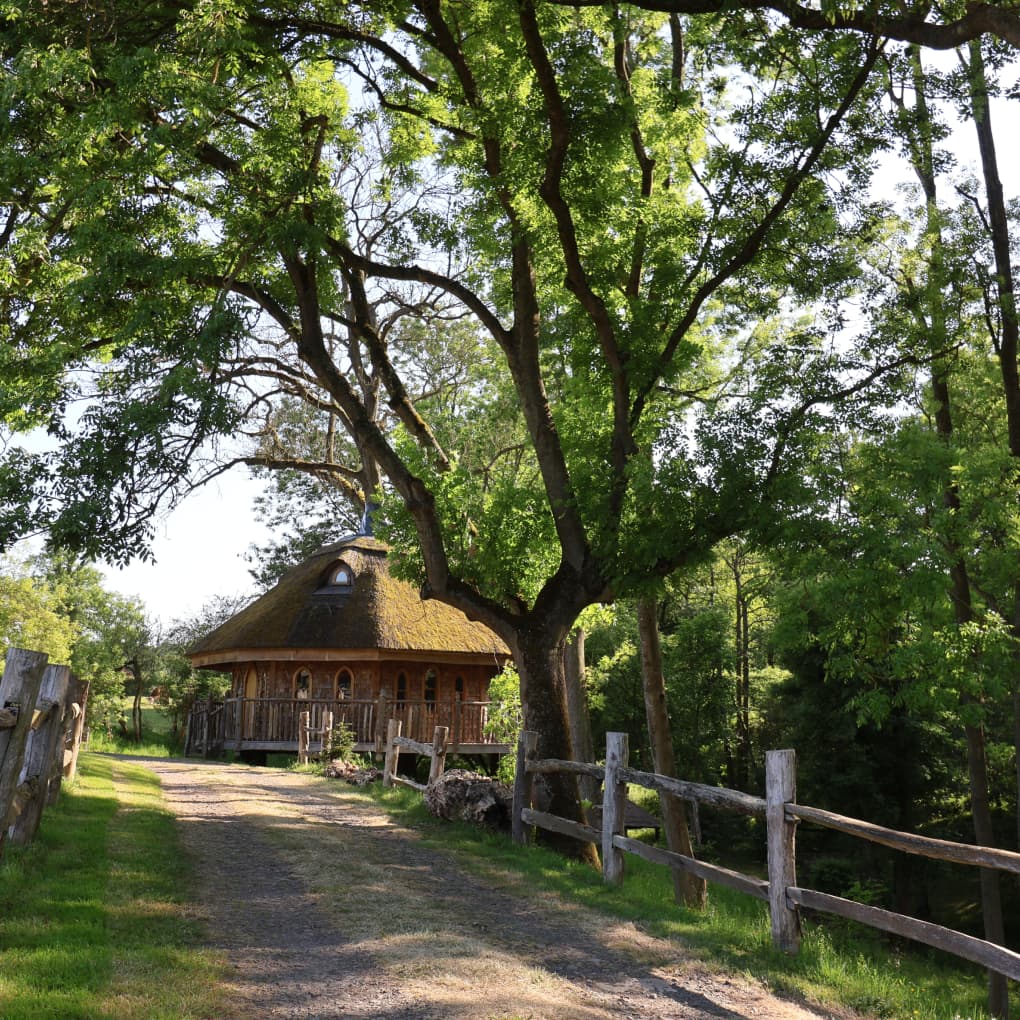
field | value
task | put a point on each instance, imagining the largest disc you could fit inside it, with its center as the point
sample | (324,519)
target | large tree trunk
(687,888)
(538,655)
(959,576)
(577,708)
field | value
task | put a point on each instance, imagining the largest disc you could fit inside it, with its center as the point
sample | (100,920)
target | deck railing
(239,722)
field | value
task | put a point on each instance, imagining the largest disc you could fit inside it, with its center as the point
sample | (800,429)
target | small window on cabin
(302,684)
(344,683)
(458,686)
(341,576)
(401,689)
(431,685)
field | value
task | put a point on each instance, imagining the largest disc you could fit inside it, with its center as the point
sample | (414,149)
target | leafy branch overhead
(246,233)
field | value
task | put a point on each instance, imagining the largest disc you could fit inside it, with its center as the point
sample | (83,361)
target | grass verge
(839,964)
(92,916)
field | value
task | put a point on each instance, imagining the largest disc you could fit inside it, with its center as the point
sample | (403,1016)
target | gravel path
(324,909)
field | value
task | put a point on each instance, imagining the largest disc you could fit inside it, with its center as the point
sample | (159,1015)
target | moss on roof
(377,612)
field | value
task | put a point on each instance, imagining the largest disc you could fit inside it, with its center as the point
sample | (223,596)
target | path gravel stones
(324,909)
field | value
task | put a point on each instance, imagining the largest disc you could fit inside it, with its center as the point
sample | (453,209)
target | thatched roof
(376,612)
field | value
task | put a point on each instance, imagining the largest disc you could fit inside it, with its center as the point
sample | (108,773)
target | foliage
(504,721)
(30,615)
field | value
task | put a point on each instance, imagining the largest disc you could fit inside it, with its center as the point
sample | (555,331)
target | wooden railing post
(614,802)
(392,752)
(781,789)
(302,738)
(238,724)
(19,688)
(456,722)
(527,748)
(327,736)
(380,722)
(438,765)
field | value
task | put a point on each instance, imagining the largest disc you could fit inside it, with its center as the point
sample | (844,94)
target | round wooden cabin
(340,634)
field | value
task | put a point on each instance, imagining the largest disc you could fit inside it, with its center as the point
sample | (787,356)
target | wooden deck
(271,724)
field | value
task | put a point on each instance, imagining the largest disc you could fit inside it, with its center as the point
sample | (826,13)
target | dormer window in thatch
(341,577)
(344,684)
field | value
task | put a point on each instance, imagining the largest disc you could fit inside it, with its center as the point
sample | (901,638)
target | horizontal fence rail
(781,814)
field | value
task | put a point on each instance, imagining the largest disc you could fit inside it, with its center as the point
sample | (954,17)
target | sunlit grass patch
(92,915)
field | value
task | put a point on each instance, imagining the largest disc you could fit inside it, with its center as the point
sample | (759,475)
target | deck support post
(527,748)
(392,752)
(614,805)
(781,789)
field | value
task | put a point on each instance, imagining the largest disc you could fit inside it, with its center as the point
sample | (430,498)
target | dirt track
(324,909)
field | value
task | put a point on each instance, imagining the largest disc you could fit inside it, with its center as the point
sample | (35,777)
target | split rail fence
(781,814)
(435,752)
(42,712)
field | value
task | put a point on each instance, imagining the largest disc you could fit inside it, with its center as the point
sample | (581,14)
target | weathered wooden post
(71,711)
(392,752)
(326,752)
(19,691)
(527,748)
(780,790)
(614,803)
(302,737)
(41,749)
(71,767)
(438,765)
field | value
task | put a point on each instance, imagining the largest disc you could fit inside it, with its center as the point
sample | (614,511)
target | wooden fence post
(456,723)
(392,752)
(438,764)
(41,748)
(326,752)
(71,711)
(614,803)
(781,789)
(302,738)
(71,768)
(19,689)
(527,748)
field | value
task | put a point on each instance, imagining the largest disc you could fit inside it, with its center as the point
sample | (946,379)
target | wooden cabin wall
(276,679)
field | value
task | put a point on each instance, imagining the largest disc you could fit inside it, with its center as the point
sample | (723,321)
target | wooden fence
(781,814)
(41,714)
(436,753)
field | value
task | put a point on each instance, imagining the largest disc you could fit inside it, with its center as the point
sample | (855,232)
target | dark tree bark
(687,888)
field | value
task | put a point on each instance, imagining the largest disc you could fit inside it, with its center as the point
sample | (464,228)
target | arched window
(401,689)
(344,684)
(458,686)
(303,684)
(431,685)
(341,576)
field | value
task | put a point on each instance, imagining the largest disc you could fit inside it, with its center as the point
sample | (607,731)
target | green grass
(839,963)
(156,739)
(92,916)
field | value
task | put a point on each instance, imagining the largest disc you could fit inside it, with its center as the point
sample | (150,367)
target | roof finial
(367,529)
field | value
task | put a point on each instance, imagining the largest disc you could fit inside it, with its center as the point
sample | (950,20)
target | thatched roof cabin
(341,633)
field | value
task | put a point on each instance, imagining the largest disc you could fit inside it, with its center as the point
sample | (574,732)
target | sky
(199,550)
